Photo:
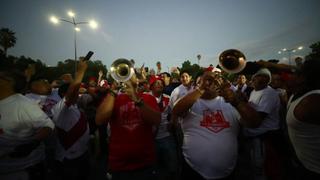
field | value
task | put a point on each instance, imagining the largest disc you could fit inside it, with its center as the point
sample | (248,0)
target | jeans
(147,173)
(77,168)
(167,158)
(35,172)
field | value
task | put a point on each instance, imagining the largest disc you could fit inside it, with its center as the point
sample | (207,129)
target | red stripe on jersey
(68,138)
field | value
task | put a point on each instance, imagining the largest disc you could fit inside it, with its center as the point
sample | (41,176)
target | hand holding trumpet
(130,90)
(212,85)
(209,85)
(232,97)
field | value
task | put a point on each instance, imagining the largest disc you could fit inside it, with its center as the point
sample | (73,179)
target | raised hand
(100,74)
(82,65)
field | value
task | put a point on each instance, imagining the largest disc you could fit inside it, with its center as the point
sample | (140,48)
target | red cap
(213,69)
(83,85)
(154,78)
(92,78)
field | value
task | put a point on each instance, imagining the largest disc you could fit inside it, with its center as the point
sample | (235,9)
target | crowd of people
(162,126)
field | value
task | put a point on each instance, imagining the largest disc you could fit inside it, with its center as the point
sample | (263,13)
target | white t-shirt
(266,100)
(243,88)
(210,137)
(178,93)
(46,102)
(163,126)
(305,137)
(20,119)
(72,131)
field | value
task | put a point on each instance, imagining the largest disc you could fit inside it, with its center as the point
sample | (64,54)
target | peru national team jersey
(72,131)
(131,141)
(210,137)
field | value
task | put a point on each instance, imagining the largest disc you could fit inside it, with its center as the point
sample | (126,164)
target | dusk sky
(170,31)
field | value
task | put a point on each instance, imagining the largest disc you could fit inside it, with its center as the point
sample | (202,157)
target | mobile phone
(88,56)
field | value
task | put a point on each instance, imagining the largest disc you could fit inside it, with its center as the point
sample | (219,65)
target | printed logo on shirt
(214,121)
(47,106)
(130,116)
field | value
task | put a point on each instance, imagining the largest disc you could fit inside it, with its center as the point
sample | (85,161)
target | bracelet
(139,103)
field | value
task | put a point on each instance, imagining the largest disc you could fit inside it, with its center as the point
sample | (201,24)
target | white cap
(263,71)
(215,69)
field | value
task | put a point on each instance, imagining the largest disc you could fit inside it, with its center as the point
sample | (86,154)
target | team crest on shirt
(214,121)
(130,117)
(47,106)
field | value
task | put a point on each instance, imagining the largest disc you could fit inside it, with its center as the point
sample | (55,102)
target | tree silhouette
(315,51)
(7,39)
(193,69)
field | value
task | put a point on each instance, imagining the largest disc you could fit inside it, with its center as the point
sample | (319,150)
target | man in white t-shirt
(177,93)
(210,126)
(266,101)
(174,126)
(23,127)
(44,95)
(260,141)
(72,130)
(183,89)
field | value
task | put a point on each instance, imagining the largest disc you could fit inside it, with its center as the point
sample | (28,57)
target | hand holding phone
(88,56)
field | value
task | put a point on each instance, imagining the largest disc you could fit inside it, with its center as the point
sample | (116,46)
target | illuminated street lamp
(75,24)
(289,51)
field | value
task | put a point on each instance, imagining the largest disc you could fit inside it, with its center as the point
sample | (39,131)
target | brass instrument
(121,70)
(232,61)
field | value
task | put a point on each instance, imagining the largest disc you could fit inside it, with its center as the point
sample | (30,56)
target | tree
(315,51)
(186,64)
(7,39)
(192,69)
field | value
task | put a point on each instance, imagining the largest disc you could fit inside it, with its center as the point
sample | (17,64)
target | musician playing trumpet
(211,115)
(131,116)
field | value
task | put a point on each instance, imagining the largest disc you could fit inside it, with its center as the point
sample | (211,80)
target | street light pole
(75,24)
(290,51)
(75,50)
(289,55)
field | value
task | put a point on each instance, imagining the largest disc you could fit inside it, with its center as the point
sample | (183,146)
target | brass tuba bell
(232,61)
(121,70)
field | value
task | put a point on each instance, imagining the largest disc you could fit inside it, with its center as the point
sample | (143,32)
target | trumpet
(232,61)
(121,70)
